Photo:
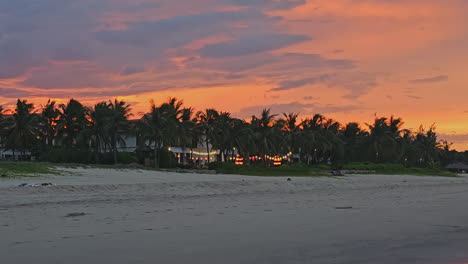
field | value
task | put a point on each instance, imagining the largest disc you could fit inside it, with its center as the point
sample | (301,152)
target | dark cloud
(129,70)
(273,64)
(268,4)
(58,76)
(356,83)
(455,138)
(13,93)
(287,85)
(435,79)
(73,47)
(251,45)
(175,31)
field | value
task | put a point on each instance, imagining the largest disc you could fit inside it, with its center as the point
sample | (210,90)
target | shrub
(63,155)
(168,159)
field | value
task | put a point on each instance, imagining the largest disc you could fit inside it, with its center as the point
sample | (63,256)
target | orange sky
(346,59)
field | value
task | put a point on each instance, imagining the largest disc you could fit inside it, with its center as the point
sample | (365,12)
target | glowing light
(239,161)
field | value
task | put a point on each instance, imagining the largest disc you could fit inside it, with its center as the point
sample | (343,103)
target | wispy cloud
(435,79)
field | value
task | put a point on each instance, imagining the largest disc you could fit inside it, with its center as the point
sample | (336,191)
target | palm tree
(73,120)
(117,124)
(380,137)
(205,121)
(22,130)
(267,133)
(186,123)
(291,130)
(160,126)
(222,139)
(427,146)
(354,139)
(50,115)
(312,137)
(100,129)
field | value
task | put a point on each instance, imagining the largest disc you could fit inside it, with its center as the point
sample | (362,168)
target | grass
(18,169)
(397,169)
(10,169)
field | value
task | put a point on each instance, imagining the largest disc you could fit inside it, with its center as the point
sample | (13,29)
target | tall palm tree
(267,133)
(160,126)
(354,139)
(100,129)
(73,120)
(50,115)
(380,137)
(117,124)
(291,130)
(205,121)
(186,123)
(22,132)
(242,137)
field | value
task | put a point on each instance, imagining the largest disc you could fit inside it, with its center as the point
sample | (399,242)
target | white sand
(156,217)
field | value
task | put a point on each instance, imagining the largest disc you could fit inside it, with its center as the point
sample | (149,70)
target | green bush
(63,155)
(168,159)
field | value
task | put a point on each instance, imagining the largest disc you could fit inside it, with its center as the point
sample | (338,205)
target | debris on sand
(75,214)
(344,207)
(36,184)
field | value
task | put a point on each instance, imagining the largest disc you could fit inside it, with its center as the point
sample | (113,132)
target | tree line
(312,140)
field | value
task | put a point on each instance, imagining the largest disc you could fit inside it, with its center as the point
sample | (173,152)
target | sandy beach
(136,216)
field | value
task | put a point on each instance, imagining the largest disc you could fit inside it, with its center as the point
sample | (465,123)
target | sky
(350,60)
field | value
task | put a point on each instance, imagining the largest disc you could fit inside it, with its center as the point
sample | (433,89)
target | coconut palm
(205,123)
(50,116)
(267,133)
(21,130)
(380,137)
(73,121)
(160,126)
(117,124)
(291,130)
(100,130)
(187,133)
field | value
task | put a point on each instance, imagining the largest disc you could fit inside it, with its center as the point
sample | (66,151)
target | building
(460,167)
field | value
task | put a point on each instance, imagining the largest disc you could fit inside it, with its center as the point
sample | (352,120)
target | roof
(458,166)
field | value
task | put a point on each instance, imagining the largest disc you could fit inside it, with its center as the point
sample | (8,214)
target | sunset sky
(346,59)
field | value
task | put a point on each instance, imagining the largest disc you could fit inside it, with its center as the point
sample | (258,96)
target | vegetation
(72,132)
(396,169)
(14,169)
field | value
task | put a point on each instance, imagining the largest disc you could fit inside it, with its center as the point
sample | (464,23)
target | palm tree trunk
(96,151)
(114,148)
(208,149)
(156,154)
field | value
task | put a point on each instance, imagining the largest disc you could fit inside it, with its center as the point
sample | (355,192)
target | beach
(95,215)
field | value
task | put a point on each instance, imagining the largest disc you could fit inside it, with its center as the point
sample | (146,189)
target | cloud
(252,44)
(310,98)
(415,97)
(455,138)
(13,93)
(435,79)
(287,85)
(129,70)
(356,83)
(268,4)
